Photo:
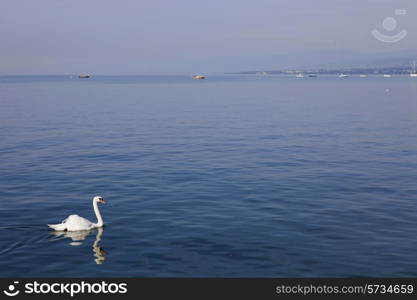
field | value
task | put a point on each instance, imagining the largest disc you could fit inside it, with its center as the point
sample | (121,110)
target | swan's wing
(73,223)
(59,227)
(76,219)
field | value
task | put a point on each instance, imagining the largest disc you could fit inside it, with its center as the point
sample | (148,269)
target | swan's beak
(101,201)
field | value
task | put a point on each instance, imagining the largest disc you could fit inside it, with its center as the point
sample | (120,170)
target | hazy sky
(155,36)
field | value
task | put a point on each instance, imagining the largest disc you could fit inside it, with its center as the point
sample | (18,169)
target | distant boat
(300,75)
(363,75)
(343,75)
(387,75)
(414,71)
(312,75)
(196,77)
(83,76)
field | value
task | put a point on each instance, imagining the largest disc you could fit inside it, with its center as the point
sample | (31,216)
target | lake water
(231,176)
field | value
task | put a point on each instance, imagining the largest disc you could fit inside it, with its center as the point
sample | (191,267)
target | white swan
(76,223)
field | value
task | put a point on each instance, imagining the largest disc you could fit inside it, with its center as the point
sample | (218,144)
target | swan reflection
(78,236)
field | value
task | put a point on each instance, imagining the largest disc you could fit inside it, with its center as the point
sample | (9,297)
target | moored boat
(414,71)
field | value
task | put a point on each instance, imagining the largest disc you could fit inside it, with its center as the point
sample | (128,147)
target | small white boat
(300,75)
(363,76)
(387,75)
(343,75)
(414,71)
(84,76)
(196,77)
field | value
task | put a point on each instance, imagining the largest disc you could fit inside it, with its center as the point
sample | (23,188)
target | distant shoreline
(289,72)
(399,70)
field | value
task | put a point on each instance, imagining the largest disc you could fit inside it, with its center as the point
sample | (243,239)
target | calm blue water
(239,176)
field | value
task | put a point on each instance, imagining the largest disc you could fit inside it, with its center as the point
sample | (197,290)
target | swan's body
(74,223)
(77,223)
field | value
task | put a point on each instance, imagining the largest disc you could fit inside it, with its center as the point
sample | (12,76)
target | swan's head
(99,199)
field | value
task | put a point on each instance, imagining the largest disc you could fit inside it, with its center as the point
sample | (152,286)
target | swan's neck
(98,215)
